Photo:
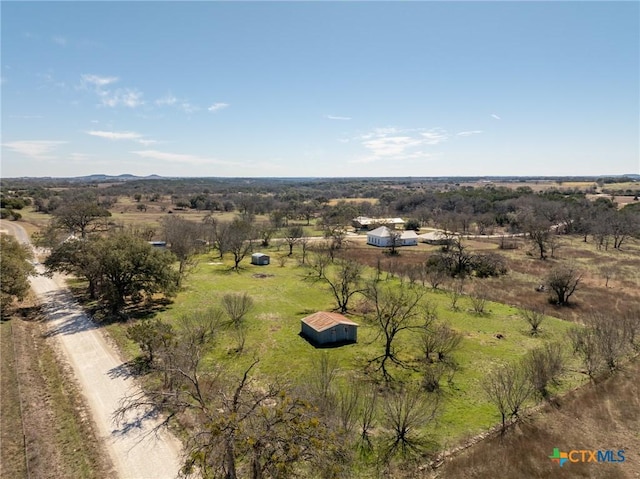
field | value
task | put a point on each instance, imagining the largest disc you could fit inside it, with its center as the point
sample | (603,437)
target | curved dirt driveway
(102,377)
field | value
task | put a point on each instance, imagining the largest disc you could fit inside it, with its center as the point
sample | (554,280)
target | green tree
(131,267)
(151,335)
(117,267)
(15,270)
(81,216)
(563,281)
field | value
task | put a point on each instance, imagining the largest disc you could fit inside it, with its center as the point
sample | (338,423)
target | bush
(488,264)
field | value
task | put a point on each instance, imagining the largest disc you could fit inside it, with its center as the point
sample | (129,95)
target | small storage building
(324,329)
(260,259)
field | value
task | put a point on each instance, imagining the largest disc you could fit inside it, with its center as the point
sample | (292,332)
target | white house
(384,237)
(366,223)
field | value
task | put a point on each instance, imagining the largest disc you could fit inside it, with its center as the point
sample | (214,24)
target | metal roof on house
(384,232)
(322,320)
(365,220)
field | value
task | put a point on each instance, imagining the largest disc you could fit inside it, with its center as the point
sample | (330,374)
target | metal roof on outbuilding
(323,320)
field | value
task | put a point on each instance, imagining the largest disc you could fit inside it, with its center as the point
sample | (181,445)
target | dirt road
(103,380)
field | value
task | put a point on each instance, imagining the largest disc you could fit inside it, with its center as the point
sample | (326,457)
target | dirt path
(98,370)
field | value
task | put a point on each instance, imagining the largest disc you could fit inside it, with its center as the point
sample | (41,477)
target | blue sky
(320,88)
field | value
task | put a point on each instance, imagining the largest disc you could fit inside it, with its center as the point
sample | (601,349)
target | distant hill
(123,177)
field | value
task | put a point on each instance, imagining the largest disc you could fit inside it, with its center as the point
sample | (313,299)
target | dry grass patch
(603,416)
(59,441)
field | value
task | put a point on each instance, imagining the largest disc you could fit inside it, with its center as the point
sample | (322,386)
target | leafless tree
(185,240)
(543,366)
(367,418)
(240,241)
(395,310)
(406,413)
(439,339)
(507,388)
(304,245)
(534,317)
(292,236)
(344,282)
(586,345)
(478,298)
(322,381)
(631,326)
(455,293)
(320,259)
(237,306)
(610,335)
(234,426)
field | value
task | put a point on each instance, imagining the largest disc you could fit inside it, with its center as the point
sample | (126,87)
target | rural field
(463,347)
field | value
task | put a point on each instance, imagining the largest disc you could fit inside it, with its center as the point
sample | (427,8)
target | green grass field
(284,295)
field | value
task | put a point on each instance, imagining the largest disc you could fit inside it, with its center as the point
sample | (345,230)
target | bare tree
(455,293)
(395,310)
(232,425)
(478,298)
(534,317)
(610,335)
(292,236)
(563,280)
(237,305)
(320,259)
(507,388)
(585,344)
(543,366)
(322,381)
(406,413)
(184,238)
(367,418)
(439,339)
(631,326)
(240,244)
(344,282)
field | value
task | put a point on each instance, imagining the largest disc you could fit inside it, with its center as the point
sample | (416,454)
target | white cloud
(26,117)
(469,133)
(493,115)
(179,158)
(391,145)
(188,107)
(36,149)
(122,96)
(122,135)
(96,80)
(115,135)
(146,142)
(167,100)
(173,101)
(435,136)
(332,117)
(129,97)
(218,106)
(79,156)
(60,40)
(400,143)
